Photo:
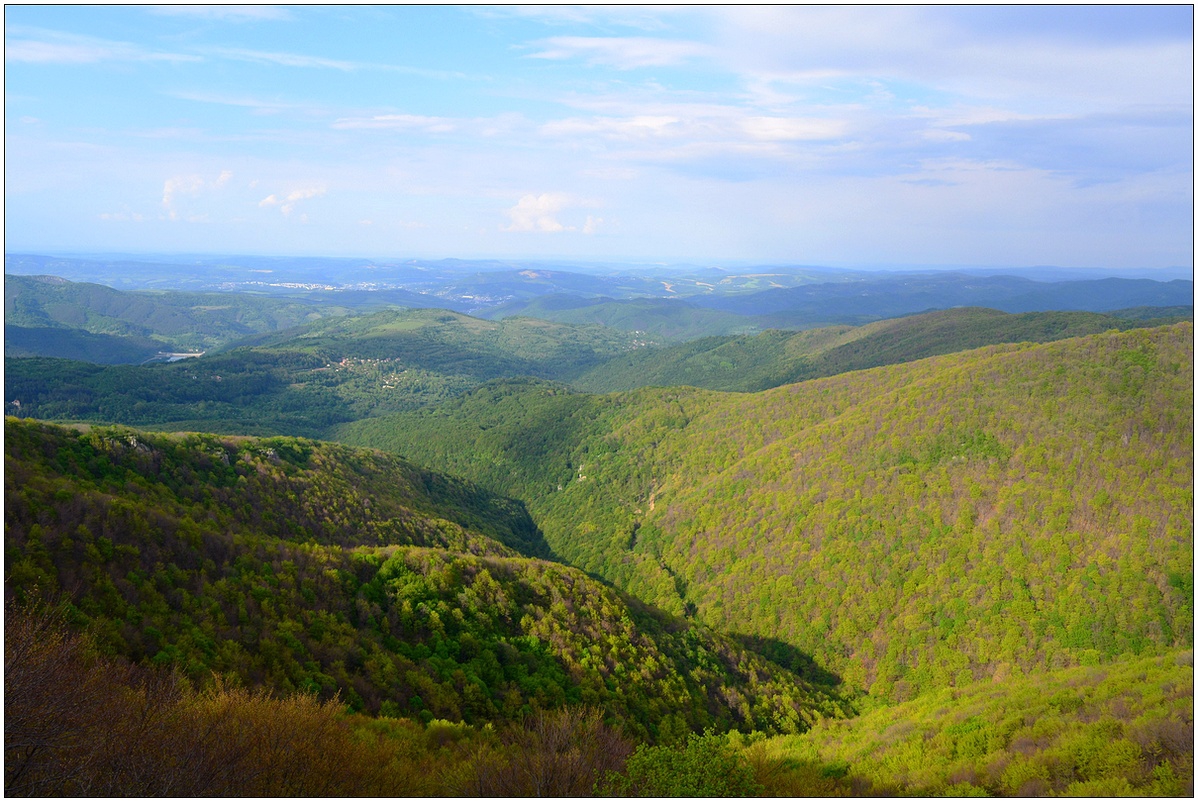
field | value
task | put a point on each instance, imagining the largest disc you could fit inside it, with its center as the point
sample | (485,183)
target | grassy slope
(1006,509)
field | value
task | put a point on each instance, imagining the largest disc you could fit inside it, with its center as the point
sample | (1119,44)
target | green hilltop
(181,321)
(749,363)
(309,379)
(305,380)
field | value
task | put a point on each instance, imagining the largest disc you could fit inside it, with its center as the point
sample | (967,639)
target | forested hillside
(176,320)
(300,566)
(305,380)
(442,342)
(309,379)
(665,318)
(884,296)
(984,514)
(80,345)
(774,358)
(984,557)
(1125,729)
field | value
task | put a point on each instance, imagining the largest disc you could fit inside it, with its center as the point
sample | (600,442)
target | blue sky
(848,136)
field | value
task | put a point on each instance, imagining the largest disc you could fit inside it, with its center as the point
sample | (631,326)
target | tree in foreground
(704,765)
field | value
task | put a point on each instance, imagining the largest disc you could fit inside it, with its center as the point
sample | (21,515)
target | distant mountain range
(678,308)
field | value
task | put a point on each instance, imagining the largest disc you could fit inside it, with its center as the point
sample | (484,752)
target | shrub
(704,766)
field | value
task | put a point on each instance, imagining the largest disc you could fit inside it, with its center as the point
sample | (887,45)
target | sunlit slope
(1011,509)
(295,565)
(286,488)
(1007,509)
(1125,729)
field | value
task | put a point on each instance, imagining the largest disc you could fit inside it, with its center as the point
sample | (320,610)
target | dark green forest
(776,357)
(47,305)
(413,552)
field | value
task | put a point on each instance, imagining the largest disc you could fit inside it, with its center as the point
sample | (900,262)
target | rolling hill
(306,379)
(176,320)
(983,558)
(79,345)
(773,358)
(885,296)
(852,299)
(916,497)
(301,566)
(664,318)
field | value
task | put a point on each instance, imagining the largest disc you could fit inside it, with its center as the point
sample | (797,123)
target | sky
(844,136)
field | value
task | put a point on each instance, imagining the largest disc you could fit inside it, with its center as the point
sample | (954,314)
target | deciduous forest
(414,552)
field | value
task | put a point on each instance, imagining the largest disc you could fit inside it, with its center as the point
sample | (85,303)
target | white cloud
(287,202)
(398,122)
(637,127)
(647,18)
(258,105)
(791,128)
(222,12)
(179,185)
(538,213)
(191,185)
(940,135)
(977,115)
(1025,65)
(623,53)
(37,46)
(282,59)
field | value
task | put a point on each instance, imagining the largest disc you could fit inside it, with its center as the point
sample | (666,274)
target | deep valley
(597,545)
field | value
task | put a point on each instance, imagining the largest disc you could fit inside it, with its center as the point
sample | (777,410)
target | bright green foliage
(311,567)
(705,765)
(996,512)
(1124,729)
(1000,540)
(122,483)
